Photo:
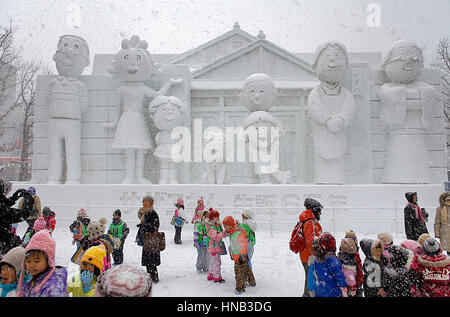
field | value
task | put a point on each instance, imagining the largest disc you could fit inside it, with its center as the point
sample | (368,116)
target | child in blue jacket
(325,276)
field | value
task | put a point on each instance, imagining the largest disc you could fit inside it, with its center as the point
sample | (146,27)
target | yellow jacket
(75,287)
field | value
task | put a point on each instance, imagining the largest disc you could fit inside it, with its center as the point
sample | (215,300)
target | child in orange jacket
(238,252)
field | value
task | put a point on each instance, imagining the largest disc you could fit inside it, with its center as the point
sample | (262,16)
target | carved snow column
(331,108)
(133,66)
(67,100)
(263,129)
(407,107)
(167,113)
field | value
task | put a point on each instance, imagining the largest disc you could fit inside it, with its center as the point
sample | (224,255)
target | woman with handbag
(148,228)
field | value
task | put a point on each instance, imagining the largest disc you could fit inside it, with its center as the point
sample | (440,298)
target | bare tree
(9,68)
(442,63)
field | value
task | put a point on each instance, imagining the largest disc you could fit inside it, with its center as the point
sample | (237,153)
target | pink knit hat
(39,224)
(44,242)
(180,201)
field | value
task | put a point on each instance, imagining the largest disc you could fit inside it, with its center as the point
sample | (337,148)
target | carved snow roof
(260,55)
(224,43)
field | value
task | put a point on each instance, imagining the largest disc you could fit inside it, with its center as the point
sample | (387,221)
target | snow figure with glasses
(407,108)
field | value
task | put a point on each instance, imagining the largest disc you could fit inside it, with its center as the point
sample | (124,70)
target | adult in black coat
(151,259)
(9,215)
(415,218)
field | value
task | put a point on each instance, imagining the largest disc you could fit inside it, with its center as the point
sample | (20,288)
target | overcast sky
(174,26)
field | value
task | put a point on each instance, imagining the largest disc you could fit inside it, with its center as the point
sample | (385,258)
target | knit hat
(412,245)
(229,221)
(124,281)
(41,241)
(431,246)
(310,203)
(14,258)
(32,190)
(348,246)
(385,237)
(180,201)
(213,214)
(422,238)
(94,255)
(39,224)
(248,213)
(96,228)
(82,213)
(327,242)
(117,212)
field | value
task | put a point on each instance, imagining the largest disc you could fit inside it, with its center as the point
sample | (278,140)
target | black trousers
(177,238)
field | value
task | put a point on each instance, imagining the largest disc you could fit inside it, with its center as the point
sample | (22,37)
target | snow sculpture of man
(168,113)
(67,99)
(331,108)
(258,95)
(133,65)
(407,106)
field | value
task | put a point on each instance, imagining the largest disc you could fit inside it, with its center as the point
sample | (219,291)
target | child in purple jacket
(47,279)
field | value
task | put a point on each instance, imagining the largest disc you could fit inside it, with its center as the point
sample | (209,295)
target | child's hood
(366,247)
(251,223)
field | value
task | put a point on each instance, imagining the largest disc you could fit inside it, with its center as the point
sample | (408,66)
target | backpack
(297,242)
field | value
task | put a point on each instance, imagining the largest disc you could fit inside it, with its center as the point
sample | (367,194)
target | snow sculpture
(407,106)
(167,112)
(133,65)
(258,95)
(67,100)
(331,108)
(214,165)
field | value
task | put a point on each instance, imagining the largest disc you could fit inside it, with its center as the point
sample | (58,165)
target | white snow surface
(278,271)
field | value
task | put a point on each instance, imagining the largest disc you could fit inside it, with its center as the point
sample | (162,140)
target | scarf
(444,212)
(6,288)
(418,211)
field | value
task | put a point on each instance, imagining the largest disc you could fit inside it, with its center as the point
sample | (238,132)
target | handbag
(223,248)
(154,242)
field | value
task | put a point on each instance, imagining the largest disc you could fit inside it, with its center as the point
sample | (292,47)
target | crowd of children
(412,269)
(415,268)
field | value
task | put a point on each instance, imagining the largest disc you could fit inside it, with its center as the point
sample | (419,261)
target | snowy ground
(277,270)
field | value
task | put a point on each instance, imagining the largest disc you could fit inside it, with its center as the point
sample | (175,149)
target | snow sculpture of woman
(331,108)
(133,66)
(258,95)
(407,106)
(168,113)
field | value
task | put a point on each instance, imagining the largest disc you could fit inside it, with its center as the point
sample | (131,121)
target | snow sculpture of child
(258,95)
(167,112)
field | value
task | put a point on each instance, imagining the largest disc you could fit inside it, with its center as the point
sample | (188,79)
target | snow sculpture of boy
(133,65)
(168,113)
(331,107)
(407,107)
(67,99)
(258,95)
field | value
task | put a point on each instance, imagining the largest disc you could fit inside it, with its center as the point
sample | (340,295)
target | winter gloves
(86,280)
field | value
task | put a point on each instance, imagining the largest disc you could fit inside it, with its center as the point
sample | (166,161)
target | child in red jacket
(359,270)
(49,216)
(434,270)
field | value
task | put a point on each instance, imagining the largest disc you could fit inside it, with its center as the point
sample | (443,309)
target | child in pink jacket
(215,234)
(346,256)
